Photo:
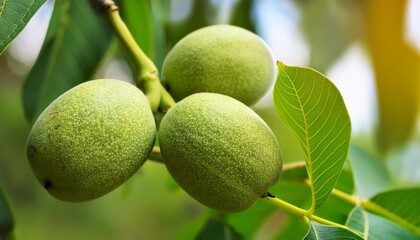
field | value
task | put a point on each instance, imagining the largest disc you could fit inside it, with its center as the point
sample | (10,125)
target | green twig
(147,79)
(293,166)
(301,212)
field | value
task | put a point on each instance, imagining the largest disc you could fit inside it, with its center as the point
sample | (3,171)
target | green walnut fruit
(91,139)
(219,151)
(222,59)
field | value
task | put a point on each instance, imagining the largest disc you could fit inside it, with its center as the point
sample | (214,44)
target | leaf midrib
(308,147)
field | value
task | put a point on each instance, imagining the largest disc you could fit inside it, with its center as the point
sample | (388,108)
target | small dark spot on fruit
(56,127)
(32,151)
(63,167)
(47,184)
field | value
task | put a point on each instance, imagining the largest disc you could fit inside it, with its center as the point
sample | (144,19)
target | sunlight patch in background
(353,75)
(413,23)
(278,22)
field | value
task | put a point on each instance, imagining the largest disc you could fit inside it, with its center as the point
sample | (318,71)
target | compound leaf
(314,109)
(75,43)
(325,232)
(14,15)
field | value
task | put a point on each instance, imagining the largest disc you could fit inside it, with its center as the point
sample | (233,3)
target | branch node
(104,5)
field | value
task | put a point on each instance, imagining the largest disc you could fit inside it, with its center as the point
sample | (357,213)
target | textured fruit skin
(222,59)
(219,151)
(91,139)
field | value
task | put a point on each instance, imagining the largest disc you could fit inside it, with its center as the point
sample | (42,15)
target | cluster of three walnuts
(95,136)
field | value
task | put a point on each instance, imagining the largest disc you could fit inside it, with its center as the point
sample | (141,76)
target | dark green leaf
(6,219)
(324,232)
(14,15)
(364,164)
(197,18)
(314,109)
(242,15)
(76,41)
(217,229)
(400,205)
(373,227)
(293,228)
(249,221)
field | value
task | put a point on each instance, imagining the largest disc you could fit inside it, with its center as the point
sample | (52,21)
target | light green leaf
(314,109)
(400,205)
(217,229)
(76,41)
(364,164)
(14,15)
(372,227)
(324,232)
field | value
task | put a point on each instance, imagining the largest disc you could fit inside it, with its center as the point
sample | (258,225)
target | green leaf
(400,205)
(249,221)
(314,109)
(364,164)
(14,15)
(335,209)
(76,41)
(6,219)
(373,227)
(293,228)
(324,232)
(217,229)
(137,16)
(242,15)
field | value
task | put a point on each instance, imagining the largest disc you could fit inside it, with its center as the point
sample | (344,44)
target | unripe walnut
(91,139)
(219,151)
(222,59)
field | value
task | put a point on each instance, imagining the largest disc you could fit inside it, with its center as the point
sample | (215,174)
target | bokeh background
(369,49)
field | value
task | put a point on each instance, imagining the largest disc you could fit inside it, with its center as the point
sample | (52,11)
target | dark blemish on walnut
(47,184)
(32,151)
(56,127)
